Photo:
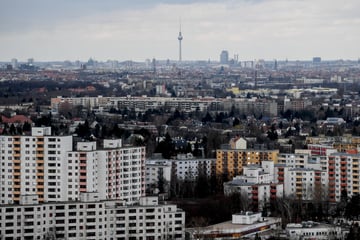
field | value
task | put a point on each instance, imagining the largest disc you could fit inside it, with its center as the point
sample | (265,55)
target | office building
(224,57)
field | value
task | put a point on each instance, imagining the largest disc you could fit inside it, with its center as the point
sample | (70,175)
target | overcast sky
(139,29)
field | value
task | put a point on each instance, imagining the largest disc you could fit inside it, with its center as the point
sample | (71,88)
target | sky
(49,30)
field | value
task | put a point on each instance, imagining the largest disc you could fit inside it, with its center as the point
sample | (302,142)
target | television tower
(180,37)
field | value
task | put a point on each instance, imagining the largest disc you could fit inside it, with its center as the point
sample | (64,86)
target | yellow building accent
(230,162)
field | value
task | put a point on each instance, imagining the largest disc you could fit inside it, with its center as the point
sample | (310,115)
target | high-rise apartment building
(257,184)
(305,183)
(343,173)
(230,162)
(45,166)
(92,219)
(50,191)
(115,172)
(34,165)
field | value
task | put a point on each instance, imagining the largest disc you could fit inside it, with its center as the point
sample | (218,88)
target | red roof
(16,119)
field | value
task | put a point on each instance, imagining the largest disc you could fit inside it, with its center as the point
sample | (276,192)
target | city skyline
(253,29)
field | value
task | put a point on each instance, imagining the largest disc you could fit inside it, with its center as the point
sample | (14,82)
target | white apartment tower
(45,166)
(92,219)
(34,165)
(115,172)
(343,175)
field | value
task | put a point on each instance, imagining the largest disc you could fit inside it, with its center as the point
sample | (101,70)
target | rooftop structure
(243,224)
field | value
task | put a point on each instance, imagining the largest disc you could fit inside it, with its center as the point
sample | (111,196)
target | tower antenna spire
(180,38)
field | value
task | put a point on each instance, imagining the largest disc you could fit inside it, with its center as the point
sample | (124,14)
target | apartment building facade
(116,172)
(343,175)
(92,219)
(230,162)
(34,164)
(46,166)
(305,183)
(257,185)
(50,191)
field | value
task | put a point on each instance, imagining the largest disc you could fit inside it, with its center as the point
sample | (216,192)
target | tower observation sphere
(180,38)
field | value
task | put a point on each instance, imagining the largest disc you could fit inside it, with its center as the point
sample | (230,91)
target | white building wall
(91,220)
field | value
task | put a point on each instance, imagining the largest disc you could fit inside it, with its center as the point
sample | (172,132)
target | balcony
(331,167)
(39,161)
(343,184)
(343,179)
(273,191)
(17,161)
(343,168)
(254,192)
(17,167)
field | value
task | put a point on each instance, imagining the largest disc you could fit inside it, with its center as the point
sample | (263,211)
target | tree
(83,130)
(354,232)
(236,122)
(12,129)
(352,209)
(166,147)
(207,118)
(202,182)
(26,127)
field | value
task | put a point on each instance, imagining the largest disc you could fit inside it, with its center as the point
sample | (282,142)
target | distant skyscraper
(30,61)
(180,38)
(316,59)
(224,57)
(275,65)
(14,63)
